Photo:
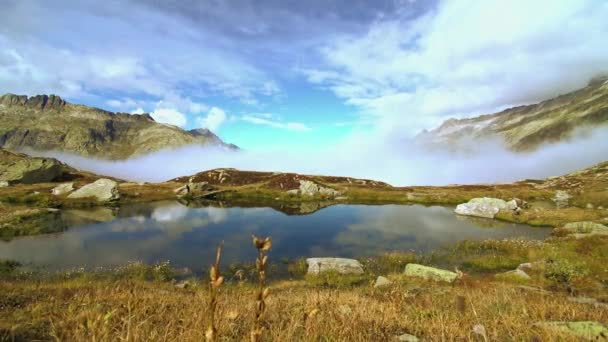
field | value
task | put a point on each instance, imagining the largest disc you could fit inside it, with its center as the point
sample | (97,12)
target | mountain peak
(37,101)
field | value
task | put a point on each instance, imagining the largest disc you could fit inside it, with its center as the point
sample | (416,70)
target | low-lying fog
(396,163)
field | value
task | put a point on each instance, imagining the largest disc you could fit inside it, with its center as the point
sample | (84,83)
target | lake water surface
(187,237)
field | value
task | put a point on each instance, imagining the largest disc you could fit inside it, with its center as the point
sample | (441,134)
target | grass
(140,302)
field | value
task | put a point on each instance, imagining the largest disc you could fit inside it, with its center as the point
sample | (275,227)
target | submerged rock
(103,190)
(62,189)
(340,265)
(481,207)
(431,273)
(587,330)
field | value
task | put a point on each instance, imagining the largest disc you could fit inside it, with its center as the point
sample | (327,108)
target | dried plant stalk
(262,245)
(215,281)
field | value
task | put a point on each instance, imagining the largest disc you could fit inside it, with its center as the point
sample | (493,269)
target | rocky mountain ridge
(525,128)
(48,122)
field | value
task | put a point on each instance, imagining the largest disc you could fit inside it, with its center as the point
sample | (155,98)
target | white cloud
(169,116)
(138,110)
(181,59)
(264,120)
(466,58)
(214,119)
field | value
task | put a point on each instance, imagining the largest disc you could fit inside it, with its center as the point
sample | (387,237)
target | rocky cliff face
(527,127)
(19,168)
(50,123)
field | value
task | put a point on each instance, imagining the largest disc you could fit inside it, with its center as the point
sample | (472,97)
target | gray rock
(310,188)
(589,301)
(183,284)
(19,168)
(193,189)
(382,281)
(514,275)
(586,330)
(562,198)
(340,265)
(589,206)
(103,190)
(512,205)
(583,229)
(481,207)
(3,184)
(293,192)
(406,338)
(62,189)
(531,266)
(430,273)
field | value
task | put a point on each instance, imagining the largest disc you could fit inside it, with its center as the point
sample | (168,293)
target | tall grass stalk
(215,281)
(262,245)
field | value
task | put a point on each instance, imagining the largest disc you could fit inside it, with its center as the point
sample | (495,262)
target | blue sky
(302,75)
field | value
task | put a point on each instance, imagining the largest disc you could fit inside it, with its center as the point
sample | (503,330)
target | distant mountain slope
(527,127)
(49,123)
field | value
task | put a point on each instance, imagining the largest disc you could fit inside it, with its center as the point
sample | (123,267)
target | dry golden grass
(145,311)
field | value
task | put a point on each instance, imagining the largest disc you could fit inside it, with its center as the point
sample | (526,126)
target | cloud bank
(399,164)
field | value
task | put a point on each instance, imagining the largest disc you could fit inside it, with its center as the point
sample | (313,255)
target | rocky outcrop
(312,189)
(484,207)
(339,265)
(50,123)
(430,273)
(194,189)
(582,229)
(103,190)
(62,189)
(20,168)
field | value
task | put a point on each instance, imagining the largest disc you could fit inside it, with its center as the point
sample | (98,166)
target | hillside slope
(50,123)
(525,128)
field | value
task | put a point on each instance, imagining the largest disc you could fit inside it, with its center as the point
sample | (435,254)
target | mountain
(525,128)
(50,123)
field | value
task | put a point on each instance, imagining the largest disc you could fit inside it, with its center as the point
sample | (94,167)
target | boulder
(382,281)
(340,265)
(103,190)
(583,229)
(562,198)
(17,168)
(431,273)
(512,205)
(62,189)
(481,207)
(586,330)
(515,275)
(310,188)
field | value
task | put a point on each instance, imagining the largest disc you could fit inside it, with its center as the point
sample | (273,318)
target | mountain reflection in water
(187,235)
